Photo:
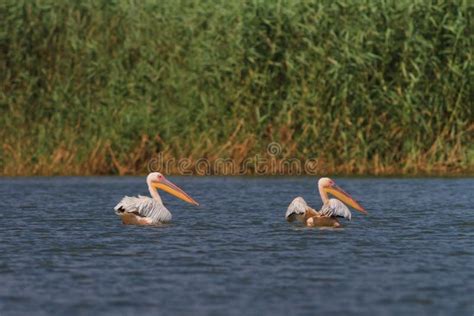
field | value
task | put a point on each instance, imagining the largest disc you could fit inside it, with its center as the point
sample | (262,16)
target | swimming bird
(330,211)
(143,210)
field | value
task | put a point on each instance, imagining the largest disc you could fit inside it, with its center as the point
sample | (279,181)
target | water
(64,251)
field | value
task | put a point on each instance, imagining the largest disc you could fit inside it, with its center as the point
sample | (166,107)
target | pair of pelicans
(143,210)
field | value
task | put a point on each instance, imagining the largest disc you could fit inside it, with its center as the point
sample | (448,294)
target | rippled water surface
(64,251)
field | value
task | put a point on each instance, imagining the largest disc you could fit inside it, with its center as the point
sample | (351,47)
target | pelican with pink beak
(330,211)
(143,210)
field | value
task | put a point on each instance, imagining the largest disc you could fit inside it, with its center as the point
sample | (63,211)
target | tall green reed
(97,87)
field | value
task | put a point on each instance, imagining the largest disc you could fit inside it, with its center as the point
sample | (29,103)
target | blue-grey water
(63,251)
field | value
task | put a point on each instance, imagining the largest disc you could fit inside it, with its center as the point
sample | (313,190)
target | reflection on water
(65,251)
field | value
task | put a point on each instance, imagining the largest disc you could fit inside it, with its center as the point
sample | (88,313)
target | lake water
(64,251)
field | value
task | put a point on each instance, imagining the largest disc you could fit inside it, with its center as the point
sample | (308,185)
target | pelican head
(158,181)
(329,186)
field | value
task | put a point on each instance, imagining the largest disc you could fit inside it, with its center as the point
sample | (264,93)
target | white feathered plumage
(144,206)
(296,209)
(331,209)
(143,210)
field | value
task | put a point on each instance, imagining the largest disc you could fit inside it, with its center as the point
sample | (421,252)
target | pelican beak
(171,188)
(345,197)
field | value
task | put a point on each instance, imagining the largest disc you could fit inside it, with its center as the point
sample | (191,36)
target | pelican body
(330,211)
(143,210)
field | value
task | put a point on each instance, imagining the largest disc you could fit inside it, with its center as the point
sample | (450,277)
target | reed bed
(365,87)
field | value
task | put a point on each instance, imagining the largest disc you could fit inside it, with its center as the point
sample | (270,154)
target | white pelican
(143,210)
(331,209)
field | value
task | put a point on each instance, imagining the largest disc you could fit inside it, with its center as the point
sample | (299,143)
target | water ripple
(65,252)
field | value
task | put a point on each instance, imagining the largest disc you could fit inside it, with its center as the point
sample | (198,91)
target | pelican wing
(296,209)
(335,208)
(145,207)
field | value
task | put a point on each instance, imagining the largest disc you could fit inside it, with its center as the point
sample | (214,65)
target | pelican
(330,211)
(143,210)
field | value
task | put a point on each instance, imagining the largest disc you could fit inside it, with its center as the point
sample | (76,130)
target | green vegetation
(367,87)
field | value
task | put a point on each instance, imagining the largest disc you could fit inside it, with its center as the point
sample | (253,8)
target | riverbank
(367,87)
